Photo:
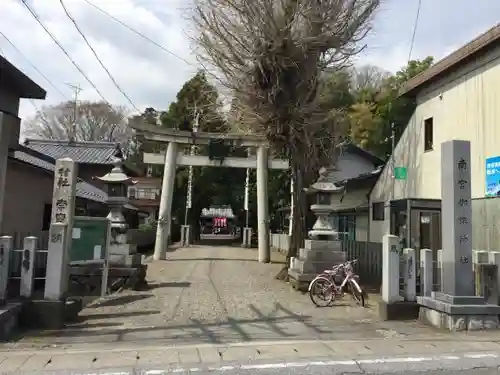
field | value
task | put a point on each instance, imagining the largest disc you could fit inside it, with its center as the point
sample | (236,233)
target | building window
(428,134)
(144,193)
(378,211)
(131,193)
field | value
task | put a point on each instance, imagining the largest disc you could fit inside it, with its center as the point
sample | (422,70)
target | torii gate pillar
(262,206)
(167,193)
(172,158)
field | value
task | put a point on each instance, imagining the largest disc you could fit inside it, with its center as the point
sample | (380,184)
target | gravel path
(216,295)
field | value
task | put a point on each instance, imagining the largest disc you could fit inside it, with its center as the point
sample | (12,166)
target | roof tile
(80,152)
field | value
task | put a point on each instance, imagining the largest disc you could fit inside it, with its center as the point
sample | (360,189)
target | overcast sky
(152,77)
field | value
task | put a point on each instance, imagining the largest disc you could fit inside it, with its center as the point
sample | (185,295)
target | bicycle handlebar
(343,265)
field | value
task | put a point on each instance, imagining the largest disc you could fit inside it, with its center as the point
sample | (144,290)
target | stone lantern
(117,182)
(323,189)
(323,249)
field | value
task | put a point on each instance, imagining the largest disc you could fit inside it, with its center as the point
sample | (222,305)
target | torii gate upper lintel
(172,158)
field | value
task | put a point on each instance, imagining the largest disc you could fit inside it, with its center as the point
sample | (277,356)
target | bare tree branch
(368,77)
(95,121)
(271,55)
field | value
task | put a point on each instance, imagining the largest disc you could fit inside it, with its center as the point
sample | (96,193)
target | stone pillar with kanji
(61,227)
(456,307)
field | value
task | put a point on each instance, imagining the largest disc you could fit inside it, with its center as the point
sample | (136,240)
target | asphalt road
(478,363)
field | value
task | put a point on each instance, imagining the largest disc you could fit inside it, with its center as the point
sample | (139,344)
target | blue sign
(493,176)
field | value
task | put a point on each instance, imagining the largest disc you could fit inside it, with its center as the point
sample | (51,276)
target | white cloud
(152,77)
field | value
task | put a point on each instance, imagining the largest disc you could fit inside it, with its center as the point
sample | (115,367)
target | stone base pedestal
(45,314)
(314,258)
(402,310)
(122,249)
(9,319)
(458,313)
(247,237)
(124,254)
(126,260)
(185,235)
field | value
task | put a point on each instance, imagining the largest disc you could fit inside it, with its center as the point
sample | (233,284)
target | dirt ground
(219,295)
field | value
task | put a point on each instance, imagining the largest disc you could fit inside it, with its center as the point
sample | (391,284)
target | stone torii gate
(173,158)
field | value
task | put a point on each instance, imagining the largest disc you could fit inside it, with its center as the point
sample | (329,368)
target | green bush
(148,227)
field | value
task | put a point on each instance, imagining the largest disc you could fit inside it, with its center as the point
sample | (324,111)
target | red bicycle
(323,290)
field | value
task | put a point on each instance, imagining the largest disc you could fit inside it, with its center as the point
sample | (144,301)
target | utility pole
(247,192)
(76,90)
(190,177)
(393,166)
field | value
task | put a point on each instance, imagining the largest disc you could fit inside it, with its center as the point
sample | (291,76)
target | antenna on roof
(76,89)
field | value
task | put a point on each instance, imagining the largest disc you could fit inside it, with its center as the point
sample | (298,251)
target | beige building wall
(27,191)
(464,105)
(355,200)
(362,227)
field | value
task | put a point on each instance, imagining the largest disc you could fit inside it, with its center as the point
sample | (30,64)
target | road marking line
(284,365)
(78,348)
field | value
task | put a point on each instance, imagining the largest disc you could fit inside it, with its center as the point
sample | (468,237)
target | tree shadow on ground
(172,284)
(281,323)
(118,300)
(125,314)
(223,259)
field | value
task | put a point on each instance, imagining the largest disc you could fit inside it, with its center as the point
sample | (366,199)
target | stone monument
(61,227)
(456,307)
(323,249)
(54,309)
(116,181)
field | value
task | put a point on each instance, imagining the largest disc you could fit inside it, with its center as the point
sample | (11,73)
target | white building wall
(464,105)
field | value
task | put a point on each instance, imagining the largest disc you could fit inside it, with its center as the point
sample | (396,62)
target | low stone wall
(280,242)
(9,317)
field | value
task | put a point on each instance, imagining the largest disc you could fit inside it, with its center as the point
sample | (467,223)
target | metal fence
(280,242)
(369,255)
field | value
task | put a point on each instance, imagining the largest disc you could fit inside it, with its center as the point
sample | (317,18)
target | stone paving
(219,295)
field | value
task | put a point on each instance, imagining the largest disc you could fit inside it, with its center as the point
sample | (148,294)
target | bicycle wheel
(356,294)
(322,293)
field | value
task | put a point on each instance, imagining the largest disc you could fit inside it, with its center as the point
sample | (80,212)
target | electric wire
(415,27)
(54,39)
(148,39)
(72,19)
(33,65)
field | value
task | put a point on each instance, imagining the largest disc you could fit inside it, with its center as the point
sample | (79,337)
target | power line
(97,56)
(35,16)
(145,37)
(415,26)
(33,66)
(76,89)
(34,105)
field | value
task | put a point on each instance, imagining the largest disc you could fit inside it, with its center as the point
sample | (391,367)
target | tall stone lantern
(323,249)
(117,182)
(323,189)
